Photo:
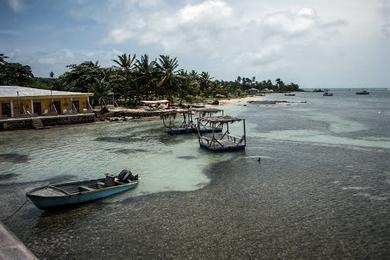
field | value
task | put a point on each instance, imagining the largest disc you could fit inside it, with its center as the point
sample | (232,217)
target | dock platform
(11,247)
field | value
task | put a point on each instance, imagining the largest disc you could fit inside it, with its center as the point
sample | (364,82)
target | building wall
(27,122)
(66,105)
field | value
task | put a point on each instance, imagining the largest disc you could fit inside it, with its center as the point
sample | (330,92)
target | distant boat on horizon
(289,94)
(364,92)
(327,94)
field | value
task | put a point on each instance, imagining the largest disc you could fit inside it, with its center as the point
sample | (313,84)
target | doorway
(37,108)
(6,109)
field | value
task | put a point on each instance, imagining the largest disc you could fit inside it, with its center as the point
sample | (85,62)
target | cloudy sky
(321,43)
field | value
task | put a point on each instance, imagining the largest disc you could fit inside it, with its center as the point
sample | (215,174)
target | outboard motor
(126,175)
(133,177)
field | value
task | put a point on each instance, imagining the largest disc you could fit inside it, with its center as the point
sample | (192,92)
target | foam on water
(336,123)
(372,197)
(320,137)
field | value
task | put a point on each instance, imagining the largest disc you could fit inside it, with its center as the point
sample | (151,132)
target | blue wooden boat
(73,193)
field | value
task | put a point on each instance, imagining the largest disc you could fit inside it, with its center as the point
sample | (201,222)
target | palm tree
(101,88)
(166,68)
(239,80)
(125,61)
(2,58)
(205,83)
(145,73)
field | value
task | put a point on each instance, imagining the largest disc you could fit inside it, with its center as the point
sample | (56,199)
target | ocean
(320,190)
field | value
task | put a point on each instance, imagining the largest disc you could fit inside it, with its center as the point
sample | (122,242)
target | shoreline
(117,114)
(239,100)
(140,114)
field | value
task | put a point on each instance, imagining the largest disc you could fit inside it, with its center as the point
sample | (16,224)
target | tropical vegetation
(133,79)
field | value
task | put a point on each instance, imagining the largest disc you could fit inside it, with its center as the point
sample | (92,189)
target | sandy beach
(143,113)
(238,100)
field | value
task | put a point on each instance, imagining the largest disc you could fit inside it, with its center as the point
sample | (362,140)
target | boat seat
(99,184)
(118,182)
(85,188)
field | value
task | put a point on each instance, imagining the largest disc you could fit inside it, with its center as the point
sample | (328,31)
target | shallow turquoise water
(164,162)
(175,163)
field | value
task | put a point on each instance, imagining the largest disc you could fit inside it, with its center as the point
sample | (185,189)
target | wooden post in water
(244,132)
(227,128)
(212,128)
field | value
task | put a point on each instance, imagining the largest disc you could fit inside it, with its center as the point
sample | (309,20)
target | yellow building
(18,101)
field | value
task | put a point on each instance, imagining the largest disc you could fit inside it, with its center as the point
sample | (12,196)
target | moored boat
(73,193)
(364,92)
(289,94)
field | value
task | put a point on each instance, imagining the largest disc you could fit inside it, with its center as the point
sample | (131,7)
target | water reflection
(14,157)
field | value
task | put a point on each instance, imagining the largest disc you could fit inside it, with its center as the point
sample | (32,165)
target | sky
(316,43)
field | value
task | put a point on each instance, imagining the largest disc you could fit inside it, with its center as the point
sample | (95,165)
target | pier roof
(18,91)
(222,119)
(207,110)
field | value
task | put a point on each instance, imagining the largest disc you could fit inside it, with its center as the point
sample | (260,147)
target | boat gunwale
(80,193)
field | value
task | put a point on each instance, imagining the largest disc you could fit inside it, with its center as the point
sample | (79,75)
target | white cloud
(264,57)
(210,10)
(385,12)
(298,40)
(217,31)
(16,5)
(289,23)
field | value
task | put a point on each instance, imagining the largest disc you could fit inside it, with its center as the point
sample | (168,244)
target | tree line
(132,79)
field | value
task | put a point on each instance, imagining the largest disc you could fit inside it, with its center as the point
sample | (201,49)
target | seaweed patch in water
(119,139)
(129,151)
(8,176)
(187,157)
(14,157)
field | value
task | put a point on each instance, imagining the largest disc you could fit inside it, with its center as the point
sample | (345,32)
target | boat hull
(46,203)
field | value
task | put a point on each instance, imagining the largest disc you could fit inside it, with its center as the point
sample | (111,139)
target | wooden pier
(186,123)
